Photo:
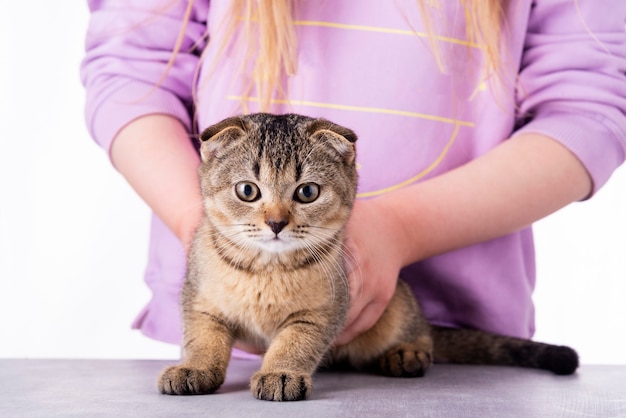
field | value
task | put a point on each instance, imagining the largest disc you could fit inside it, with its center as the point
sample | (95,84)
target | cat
(267,267)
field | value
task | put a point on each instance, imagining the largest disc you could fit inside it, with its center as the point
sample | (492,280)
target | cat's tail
(467,346)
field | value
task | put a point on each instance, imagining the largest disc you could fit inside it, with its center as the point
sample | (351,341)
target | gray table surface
(119,388)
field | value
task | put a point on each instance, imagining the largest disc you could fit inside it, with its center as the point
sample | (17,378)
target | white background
(73,235)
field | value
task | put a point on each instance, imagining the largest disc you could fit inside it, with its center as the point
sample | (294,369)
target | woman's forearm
(155,156)
(521,181)
(517,183)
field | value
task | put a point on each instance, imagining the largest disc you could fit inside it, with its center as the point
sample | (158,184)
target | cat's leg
(206,352)
(292,358)
(399,344)
(408,359)
(412,354)
(408,356)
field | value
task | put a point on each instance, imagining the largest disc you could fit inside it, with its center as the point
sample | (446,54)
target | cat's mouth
(275,239)
(277,243)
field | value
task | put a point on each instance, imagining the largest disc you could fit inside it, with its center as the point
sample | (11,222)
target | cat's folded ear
(220,134)
(340,138)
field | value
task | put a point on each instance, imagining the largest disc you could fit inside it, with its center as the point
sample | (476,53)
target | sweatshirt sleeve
(573,80)
(128,46)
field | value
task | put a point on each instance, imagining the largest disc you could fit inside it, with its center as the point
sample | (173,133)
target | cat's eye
(307,193)
(247,191)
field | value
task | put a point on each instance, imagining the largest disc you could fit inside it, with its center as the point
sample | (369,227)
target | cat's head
(278,183)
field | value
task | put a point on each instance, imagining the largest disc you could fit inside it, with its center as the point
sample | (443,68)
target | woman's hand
(374,245)
(520,181)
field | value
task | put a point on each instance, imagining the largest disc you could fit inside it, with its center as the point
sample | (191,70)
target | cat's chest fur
(258,303)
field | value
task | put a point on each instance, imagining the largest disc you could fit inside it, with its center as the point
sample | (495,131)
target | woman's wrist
(186,224)
(396,226)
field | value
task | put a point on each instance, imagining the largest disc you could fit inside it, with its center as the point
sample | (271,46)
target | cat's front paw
(181,380)
(281,386)
(405,361)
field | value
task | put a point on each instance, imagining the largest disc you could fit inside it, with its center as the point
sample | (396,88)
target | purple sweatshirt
(370,68)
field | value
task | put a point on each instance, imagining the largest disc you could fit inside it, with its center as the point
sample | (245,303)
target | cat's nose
(276,226)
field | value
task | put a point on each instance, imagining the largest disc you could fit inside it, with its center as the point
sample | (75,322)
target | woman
(475,118)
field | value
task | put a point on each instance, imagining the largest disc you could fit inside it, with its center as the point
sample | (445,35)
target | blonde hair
(270,48)
(270,39)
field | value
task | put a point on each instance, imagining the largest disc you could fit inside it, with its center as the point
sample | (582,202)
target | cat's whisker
(321,232)
(348,257)
(236,248)
(234,225)
(357,271)
(347,254)
(331,271)
(338,269)
(320,227)
(243,253)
